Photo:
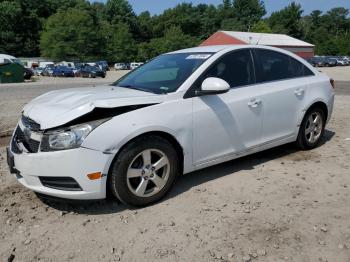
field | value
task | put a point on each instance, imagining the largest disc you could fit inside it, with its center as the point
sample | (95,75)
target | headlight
(69,137)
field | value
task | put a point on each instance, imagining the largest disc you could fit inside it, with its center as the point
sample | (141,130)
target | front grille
(60,183)
(31,124)
(31,145)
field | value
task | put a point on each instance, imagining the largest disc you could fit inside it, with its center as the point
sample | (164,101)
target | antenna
(257,43)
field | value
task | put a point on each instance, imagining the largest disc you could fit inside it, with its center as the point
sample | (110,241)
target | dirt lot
(278,205)
(339,73)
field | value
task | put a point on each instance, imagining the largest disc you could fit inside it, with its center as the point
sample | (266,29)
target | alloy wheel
(313,127)
(148,173)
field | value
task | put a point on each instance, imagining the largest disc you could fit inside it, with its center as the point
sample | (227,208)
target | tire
(315,130)
(130,173)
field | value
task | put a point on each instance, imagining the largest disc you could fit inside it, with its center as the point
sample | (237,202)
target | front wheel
(144,171)
(311,129)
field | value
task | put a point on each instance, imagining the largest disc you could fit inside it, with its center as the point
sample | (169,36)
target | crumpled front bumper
(75,163)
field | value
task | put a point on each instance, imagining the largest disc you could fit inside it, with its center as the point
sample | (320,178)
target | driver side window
(235,68)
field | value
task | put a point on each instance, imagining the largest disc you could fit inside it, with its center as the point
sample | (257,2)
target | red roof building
(294,45)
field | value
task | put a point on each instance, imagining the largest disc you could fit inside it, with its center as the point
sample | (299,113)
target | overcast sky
(157,6)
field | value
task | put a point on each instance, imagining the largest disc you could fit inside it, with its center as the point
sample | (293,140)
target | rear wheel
(311,129)
(144,171)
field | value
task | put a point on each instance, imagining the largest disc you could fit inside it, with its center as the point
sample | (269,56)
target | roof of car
(7,56)
(206,49)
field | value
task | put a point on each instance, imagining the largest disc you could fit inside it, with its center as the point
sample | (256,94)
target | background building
(294,45)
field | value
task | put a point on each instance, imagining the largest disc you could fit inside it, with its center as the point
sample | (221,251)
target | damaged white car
(180,112)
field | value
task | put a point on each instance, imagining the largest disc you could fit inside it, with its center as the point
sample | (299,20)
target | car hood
(59,107)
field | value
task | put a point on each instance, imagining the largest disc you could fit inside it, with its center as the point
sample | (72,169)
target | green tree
(173,39)
(9,39)
(232,24)
(287,20)
(248,12)
(120,46)
(119,11)
(145,24)
(261,27)
(71,33)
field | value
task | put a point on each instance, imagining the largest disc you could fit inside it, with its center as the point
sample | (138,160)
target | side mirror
(213,86)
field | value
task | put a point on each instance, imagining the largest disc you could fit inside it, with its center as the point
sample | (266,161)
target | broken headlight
(69,137)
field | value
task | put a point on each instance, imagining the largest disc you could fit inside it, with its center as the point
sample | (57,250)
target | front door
(227,123)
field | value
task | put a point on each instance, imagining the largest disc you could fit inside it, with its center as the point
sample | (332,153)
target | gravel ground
(277,205)
(339,73)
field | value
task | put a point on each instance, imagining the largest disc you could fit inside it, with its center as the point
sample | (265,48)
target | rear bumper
(330,106)
(74,163)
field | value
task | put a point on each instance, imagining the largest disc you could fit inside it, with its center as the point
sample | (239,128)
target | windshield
(164,74)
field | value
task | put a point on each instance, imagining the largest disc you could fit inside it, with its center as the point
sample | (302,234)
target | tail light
(332,82)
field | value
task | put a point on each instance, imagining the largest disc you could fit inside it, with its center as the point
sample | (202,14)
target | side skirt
(249,151)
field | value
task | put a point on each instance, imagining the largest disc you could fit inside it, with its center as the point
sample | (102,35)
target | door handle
(299,92)
(254,102)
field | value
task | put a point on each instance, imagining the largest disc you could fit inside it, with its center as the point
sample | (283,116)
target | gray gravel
(298,203)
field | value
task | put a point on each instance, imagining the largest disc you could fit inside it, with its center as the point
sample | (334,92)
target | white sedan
(178,113)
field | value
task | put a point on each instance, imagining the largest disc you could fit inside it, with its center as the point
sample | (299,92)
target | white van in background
(7,59)
(135,65)
(45,64)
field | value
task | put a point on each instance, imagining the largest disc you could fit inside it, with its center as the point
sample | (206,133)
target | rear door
(284,82)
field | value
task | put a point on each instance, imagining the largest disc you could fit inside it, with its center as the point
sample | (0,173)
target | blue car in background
(63,71)
(103,65)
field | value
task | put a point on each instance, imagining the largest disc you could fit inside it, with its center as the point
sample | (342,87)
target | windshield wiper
(136,88)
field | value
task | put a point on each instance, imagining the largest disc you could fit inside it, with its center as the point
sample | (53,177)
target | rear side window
(272,66)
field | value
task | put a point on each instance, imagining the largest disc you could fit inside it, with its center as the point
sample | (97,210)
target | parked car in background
(38,71)
(6,59)
(45,64)
(92,71)
(121,66)
(103,65)
(135,65)
(67,64)
(28,73)
(63,71)
(347,59)
(316,61)
(134,139)
(328,61)
(48,70)
(341,61)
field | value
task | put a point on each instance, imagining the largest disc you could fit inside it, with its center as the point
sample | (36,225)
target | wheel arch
(319,104)
(316,103)
(170,138)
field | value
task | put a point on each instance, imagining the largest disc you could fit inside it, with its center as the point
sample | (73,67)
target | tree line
(79,29)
